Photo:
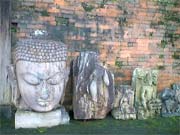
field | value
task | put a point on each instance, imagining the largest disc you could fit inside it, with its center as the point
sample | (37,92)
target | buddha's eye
(54,80)
(31,79)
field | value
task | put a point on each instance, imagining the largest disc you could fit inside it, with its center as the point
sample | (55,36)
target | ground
(109,126)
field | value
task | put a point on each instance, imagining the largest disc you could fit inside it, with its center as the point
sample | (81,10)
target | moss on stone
(164,43)
(170,20)
(118,63)
(161,56)
(61,21)
(176,56)
(87,7)
(161,67)
(150,34)
(44,13)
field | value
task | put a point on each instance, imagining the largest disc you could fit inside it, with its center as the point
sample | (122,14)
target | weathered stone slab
(124,103)
(144,82)
(5,51)
(171,101)
(93,92)
(29,119)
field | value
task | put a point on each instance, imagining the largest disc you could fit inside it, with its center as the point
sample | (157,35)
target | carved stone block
(124,103)
(144,82)
(93,92)
(171,101)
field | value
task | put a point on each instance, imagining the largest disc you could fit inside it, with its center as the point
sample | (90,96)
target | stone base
(29,119)
(123,116)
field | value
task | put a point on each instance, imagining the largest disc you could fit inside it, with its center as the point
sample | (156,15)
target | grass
(156,126)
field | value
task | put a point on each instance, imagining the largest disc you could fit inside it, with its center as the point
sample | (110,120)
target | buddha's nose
(44,92)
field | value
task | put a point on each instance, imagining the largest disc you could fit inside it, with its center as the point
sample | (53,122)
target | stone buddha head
(41,74)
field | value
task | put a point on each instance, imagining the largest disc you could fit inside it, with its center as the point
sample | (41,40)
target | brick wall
(121,31)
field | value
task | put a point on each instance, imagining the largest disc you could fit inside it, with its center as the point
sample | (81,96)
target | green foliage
(42,130)
(13,29)
(118,63)
(164,43)
(122,21)
(176,55)
(150,34)
(161,67)
(62,21)
(44,13)
(113,0)
(32,7)
(161,56)
(165,3)
(87,7)
(123,8)
(103,2)
(170,20)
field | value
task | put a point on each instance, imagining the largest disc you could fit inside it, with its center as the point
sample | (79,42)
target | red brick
(21,35)
(35,26)
(41,5)
(53,10)
(61,2)
(112,45)
(47,18)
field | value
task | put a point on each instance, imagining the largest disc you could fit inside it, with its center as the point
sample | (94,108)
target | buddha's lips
(44,102)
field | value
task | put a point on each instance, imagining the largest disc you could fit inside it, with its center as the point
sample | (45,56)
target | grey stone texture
(38,79)
(29,119)
(93,92)
(144,82)
(124,103)
(171,101)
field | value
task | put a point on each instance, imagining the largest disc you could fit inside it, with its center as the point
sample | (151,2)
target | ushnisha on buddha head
(41,73)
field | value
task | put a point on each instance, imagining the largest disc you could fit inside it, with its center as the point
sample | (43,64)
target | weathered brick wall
(121,31)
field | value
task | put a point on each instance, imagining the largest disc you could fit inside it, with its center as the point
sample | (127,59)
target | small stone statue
(124,103)
(144,82)
(93,92)
(38,80)
(171,101)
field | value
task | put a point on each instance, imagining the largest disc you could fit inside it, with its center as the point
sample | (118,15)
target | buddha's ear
(13,84)
(11,73)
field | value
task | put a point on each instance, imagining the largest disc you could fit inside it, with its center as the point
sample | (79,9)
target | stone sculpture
(124,103)
(171,101)
(38,79)
(144,82)
(93,92)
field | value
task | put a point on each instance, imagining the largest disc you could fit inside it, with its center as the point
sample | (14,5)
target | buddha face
(140,73)
(41,85)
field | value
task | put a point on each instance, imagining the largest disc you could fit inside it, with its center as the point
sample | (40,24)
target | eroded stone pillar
(93,92)
(144,82)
